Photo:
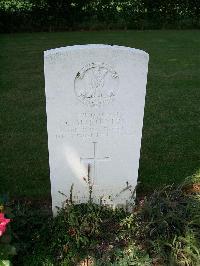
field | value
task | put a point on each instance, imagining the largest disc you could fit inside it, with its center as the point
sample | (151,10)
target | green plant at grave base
(82,230)
(131,255)
(78,231)
(169,225)
(163,229)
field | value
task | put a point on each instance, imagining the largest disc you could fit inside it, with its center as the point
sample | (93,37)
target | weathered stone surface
(95,96)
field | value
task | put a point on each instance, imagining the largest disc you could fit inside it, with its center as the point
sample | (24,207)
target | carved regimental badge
(96,84)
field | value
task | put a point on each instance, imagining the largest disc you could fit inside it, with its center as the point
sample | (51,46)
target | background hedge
(53,15)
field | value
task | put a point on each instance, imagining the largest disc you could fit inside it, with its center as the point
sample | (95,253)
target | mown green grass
(171,134)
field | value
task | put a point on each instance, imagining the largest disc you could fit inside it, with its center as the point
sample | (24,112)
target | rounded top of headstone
(95,46)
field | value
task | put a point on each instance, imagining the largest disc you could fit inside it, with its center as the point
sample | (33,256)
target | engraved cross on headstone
(93,160)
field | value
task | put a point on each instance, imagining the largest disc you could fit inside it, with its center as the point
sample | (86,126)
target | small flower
(1,208)
(3,223)
(141,202)
(72,232)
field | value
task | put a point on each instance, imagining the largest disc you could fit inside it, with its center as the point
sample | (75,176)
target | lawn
(171,134)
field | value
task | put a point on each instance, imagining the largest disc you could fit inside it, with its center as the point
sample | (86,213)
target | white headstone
(95,96)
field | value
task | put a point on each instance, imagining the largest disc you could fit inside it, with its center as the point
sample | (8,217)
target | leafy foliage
(169,225)
(163,229)
(77,14)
